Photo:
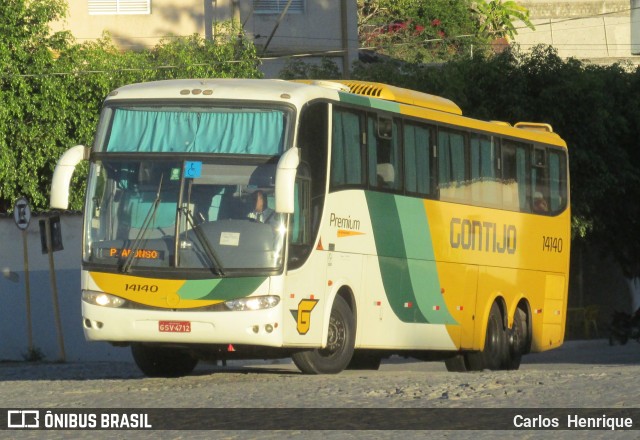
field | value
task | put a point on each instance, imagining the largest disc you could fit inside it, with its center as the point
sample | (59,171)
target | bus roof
(298,92)
(223,89)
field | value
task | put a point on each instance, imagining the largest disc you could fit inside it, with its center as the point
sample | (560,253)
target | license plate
(174,326)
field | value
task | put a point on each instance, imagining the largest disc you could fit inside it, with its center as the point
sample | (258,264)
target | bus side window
(417,158)
(557,181)
(514,176)
(383,151)
(485,187)
(452,166)
(346,155)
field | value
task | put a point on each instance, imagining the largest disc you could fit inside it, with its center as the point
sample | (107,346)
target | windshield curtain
(227,131)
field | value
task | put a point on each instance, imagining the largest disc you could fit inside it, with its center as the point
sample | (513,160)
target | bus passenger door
(305,283)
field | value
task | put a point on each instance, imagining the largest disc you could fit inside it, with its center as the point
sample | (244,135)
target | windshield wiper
(133,251)
(204,241)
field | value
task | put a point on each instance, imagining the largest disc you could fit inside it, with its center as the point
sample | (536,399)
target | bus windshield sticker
(230,238)
(192,170)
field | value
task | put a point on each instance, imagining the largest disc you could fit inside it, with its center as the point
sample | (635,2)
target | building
(596,31)
(277,27)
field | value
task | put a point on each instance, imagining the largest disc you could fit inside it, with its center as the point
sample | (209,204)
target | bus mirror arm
(62,175)
(285,180)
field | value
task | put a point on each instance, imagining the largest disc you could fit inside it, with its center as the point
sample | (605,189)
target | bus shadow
(589,352)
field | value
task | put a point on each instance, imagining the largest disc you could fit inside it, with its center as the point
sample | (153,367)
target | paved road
(581,374)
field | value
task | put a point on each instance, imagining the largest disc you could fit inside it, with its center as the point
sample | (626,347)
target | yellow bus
(335,222)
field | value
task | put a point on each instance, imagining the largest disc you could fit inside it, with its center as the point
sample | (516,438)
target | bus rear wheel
(339,350)
(495,352)
(155,361)
(518,340)
(457,363)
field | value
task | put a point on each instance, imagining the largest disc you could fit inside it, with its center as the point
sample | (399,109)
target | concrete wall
(14,343)
(167,17)
(324,26)
(596,31)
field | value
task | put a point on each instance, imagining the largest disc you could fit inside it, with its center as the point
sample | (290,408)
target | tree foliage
(497,17)
(51,89)
(419,31)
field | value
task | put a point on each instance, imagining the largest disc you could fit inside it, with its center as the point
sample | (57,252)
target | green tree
(419,31)
(298,69)
(497,17)
(33,103)
(51,89)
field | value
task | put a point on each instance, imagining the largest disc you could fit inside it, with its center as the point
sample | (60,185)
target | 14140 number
(551,244)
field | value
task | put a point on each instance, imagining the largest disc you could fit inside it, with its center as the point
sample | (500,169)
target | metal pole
(27,290)
(275,28)
(54,288)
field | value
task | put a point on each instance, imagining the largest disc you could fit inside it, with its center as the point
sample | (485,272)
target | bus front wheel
(339,350)
(155,361)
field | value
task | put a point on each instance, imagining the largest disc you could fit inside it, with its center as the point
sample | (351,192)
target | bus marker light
(230,348)
(460,308)
(330,283)
(537,311)
(293,295)
(268,328)
(312,297)
(436,308)
(442,290)
(378,303)
(408,305)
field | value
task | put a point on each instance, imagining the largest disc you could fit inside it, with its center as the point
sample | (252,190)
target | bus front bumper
(261,327)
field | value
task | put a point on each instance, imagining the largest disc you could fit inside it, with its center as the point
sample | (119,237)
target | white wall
(13,309)
(592,30)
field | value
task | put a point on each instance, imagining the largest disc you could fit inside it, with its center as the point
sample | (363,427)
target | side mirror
(285,180)
(62,175)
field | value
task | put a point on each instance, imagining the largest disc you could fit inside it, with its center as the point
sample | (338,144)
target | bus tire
(518,340)
(155,361)
(456,364)
(336,356)
(495,352)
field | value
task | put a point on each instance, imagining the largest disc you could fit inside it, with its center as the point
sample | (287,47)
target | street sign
(22,213)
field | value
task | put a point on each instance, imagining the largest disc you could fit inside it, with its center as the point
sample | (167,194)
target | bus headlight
(253,303)
(102,299)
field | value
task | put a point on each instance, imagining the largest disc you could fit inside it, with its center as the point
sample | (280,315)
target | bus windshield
(163,213)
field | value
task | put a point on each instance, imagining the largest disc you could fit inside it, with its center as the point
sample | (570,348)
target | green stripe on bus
(421,260)
(406,258)
(394,267)
(364,101)
(220,289)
